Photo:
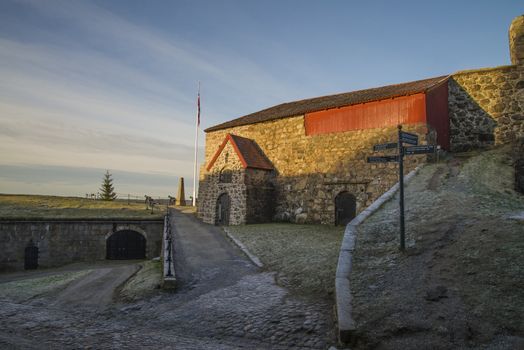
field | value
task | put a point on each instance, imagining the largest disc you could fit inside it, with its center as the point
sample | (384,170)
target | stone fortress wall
(61,242)
(312,170)
(486,106)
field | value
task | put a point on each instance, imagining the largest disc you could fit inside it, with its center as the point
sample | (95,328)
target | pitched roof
(250,155)
(295,108)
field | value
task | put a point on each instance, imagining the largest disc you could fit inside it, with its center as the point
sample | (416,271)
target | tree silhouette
(107,190)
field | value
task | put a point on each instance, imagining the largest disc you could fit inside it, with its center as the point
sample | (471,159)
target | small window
(226,176)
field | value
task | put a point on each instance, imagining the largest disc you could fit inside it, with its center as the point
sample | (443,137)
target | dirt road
(95,290)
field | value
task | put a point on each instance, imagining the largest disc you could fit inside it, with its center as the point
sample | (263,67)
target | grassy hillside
(460,282)
(53,207)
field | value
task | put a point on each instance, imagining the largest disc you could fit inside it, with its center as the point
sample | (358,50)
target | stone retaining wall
(65,241)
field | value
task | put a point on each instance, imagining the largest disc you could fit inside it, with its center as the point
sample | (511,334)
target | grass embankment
(459,284)
(143,283)
(305,256)
(53,207)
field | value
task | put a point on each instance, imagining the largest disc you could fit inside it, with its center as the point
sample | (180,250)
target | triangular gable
(248,152)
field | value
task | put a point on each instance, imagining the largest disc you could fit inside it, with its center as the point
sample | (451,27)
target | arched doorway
(345,208)
(222,210)
(126,244)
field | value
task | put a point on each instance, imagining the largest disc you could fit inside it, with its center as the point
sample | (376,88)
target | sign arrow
(408,138)
(420,149)
(384,146)
(383,159)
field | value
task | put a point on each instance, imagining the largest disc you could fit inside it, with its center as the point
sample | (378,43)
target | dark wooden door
(126,245)
(223,210)
(345,208)
(31,257)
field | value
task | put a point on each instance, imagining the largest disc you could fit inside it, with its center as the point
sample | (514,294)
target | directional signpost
(410,139)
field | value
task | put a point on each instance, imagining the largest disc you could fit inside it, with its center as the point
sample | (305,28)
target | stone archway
(345,208)
(125,244)
(223,210)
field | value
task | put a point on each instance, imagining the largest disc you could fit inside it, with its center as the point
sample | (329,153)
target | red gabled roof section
(248,152)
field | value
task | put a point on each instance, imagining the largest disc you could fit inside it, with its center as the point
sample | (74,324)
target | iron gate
(126,244)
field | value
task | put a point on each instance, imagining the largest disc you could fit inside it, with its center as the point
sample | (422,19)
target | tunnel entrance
(126,244)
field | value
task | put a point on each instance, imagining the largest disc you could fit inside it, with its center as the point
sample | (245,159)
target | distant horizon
(93,85)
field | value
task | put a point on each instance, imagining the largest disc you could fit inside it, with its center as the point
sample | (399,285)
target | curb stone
(346,324)
(254,259)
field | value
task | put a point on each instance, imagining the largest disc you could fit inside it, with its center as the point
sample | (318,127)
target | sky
(90,86)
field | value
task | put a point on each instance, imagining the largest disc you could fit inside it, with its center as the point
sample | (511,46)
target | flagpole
(197,122)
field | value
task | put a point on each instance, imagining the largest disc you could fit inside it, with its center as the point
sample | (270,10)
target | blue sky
(89,86)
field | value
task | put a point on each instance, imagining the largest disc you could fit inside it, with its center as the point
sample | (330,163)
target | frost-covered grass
(23,290)
(144,282)
(54,207)
(305,256)
(459,236)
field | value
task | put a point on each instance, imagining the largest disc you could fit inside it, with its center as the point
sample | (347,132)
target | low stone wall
(343,300)
(486,107)
(61,242)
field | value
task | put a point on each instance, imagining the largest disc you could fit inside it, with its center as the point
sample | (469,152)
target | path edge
(254,259)
(345,323)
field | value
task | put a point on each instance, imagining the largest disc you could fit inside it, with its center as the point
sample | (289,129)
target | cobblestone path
(222,302)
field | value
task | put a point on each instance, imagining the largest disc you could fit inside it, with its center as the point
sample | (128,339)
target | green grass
(144,282)
(54,207)
(305,256)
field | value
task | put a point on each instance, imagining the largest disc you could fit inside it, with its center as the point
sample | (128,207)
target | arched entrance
(345,208)
(222,210)
(126,244)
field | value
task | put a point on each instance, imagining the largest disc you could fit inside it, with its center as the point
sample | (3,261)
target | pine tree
(107,190)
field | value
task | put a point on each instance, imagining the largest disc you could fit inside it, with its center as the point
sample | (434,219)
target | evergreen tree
(107,190)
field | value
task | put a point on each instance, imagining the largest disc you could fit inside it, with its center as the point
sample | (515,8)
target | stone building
(305,161)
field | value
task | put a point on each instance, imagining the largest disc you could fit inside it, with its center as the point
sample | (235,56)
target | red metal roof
(296,108)
(250,155)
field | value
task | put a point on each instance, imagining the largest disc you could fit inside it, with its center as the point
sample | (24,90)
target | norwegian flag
(198,109)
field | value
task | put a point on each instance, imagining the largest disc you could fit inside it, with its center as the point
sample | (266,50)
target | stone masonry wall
(260,195)
(486,107)
(61,242)
(212,188)
(311,170)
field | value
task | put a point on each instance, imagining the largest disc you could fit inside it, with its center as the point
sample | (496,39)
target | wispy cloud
(103,92)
